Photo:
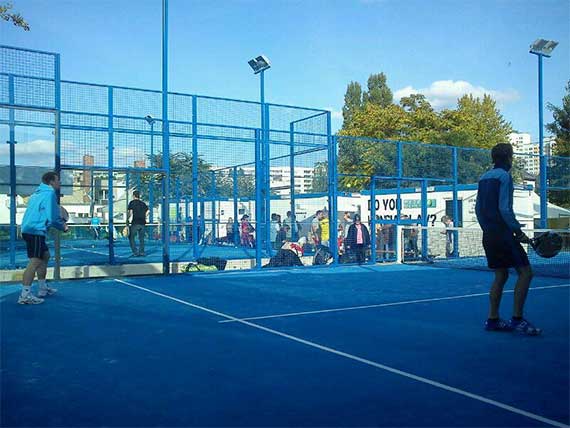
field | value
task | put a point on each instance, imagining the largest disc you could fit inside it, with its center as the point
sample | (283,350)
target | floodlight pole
(263,231)
(165,146)
(543,179)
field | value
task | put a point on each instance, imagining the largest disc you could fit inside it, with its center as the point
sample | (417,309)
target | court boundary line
(382,305)
(357,358)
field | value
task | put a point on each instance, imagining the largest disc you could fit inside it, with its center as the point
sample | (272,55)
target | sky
(440,48)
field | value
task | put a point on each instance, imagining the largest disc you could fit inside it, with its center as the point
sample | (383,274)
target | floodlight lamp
(543,47)
(149,119)
(259,64)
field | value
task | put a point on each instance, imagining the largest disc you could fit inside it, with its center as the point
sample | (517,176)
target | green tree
(15,18)
(352,102)
(475,123)
(558,166)
(560,127)
(320,178)
(379,92)
(181,171)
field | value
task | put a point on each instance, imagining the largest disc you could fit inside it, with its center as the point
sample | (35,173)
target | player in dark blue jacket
(502,237)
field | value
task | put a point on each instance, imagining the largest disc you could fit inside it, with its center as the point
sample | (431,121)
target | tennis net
(462,248)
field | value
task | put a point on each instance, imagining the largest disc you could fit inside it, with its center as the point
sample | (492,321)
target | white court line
(88,251)
(359,359)
(382,305)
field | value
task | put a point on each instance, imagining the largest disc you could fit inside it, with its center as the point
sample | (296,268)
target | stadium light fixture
(259,64)
(542,48)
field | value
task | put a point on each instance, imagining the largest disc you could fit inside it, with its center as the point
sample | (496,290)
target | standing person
(325,228)
(448,223)
(136,218)
(316,228)
(502,237)
(410,238)
(246,230)
(358,240)
(274,230)
(230,231)
(288,222)
(281,236)
(95,226)
(42,213)
(387,240)
(346,223)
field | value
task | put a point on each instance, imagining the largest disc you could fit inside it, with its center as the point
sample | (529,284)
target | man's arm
(506,207)
(54,214)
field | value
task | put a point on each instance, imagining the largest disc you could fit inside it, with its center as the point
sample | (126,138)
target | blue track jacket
(42,212)
(494,207)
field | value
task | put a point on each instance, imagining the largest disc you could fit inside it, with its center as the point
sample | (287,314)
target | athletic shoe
(522,326)
(29,299)
(497,325)
(48,291)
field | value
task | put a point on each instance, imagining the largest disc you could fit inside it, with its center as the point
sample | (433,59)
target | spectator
(246,231)
(448,223)
(358,240)
(325,228)
(316,228)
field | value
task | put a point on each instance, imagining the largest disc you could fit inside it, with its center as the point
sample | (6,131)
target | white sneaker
(48,291)
(29,299)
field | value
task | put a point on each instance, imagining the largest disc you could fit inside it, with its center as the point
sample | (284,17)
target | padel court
(392,345)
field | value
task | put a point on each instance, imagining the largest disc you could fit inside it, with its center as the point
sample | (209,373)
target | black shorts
(36,245)
(503,251)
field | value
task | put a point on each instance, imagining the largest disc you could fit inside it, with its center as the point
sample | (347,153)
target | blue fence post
(235,226)
(294,236)
(187,228)
(258,198)
(110,192)
(267,181)
(400,173)
(12,143)
(165,143)
(127,185)
(332,191)
(151,181)
(373,220)
(456,221)
(195,191)
(57,105)
(214,196)
(424,221)
(542,160)
(178,212)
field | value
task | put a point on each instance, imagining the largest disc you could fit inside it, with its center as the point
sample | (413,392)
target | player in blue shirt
(502,237)
(42,213)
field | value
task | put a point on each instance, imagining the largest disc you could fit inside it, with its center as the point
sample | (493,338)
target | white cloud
(335,114)
(31,153)
(445,93)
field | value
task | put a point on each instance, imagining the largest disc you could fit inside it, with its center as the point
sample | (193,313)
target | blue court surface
(91,252)
(349,346)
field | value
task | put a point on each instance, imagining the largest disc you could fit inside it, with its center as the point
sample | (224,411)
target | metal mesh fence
(28,78)
(244,177)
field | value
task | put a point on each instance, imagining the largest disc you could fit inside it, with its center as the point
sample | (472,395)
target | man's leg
(521,290)
(26,297)
(44,290)
(30,272)
(501,276)
(141,239)
(132,231)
